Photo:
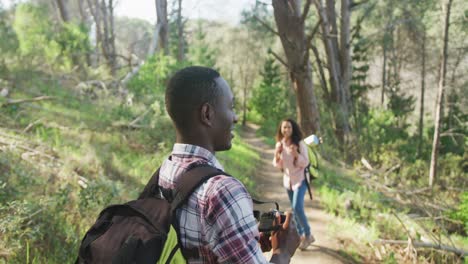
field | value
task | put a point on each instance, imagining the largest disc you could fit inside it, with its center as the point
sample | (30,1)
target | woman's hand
(294,151)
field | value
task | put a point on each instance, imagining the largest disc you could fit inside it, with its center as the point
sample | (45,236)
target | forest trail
(269,187)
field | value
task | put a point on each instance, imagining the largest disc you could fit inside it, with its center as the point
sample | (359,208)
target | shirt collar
(188,150)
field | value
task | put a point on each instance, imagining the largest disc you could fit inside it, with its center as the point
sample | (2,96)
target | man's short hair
(187,90)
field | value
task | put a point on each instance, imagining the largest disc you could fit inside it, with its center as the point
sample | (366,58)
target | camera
(268,221)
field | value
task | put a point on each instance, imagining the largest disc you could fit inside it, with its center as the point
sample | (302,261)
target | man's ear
(207,114)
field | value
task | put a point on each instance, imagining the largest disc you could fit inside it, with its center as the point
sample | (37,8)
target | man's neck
(196,141)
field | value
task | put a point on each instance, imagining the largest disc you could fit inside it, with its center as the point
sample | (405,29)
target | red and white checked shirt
(218,217)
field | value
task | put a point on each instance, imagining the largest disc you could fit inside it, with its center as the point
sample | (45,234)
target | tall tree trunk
(290,25)
(180,33)
(453,97)
(161,9)
(160,34)
(423,87)
(159,40)
(94,9)
(338,91)
(103,15)
(63,9)
(154,45)
(113,51)
(244,101)
(83,21)
(440,97)
(107,9)
(384,72)
(101,6)
(83,17)
(346,67)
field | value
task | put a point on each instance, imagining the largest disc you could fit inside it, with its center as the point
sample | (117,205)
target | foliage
(73,41)
(36,33)
(379,127)
(199,52)
(359,85)
(400,103)
(461,214)
(43,41)
(149,84)
(9,42)
(174,32)
(454,127)
(270,99)
(133,37)
(251,19)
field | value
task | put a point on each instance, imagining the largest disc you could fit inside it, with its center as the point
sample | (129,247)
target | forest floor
(326,249)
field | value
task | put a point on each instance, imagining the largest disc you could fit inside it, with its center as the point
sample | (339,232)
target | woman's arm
(277,161)
(303,157)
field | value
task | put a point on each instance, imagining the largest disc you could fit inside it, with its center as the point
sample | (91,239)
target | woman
(291,157)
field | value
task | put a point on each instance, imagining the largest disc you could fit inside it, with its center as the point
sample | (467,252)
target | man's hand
(265,242)
(285,241)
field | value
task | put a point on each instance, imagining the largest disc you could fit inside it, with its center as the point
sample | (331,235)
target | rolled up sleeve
(232,231)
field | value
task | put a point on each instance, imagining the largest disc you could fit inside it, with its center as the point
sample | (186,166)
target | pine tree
(269,98)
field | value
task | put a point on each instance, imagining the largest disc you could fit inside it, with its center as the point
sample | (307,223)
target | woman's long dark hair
(296,135)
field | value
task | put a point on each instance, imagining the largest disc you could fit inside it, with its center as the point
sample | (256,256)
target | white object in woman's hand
(312,140)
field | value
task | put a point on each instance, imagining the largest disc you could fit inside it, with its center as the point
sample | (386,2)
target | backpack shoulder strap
(192,179)
(151,187)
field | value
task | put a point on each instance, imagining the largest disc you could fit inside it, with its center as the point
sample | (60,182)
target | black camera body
(268,221)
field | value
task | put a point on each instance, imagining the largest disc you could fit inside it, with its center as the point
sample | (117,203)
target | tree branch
(266,25)
(311,35)
(320,67)
(306,11)
(280,60)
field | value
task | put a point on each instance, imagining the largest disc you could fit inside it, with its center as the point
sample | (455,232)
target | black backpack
(136,232)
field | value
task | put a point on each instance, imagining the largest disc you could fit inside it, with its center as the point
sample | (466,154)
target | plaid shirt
(218,217)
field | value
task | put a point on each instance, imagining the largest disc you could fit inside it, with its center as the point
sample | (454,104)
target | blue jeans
(297,203)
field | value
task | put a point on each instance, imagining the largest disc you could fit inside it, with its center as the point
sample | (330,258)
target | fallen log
(418,244)
(27,100)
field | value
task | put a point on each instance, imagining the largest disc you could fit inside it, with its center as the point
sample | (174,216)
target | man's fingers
(288,219)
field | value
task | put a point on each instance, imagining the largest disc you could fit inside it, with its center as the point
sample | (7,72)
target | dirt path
(269,187)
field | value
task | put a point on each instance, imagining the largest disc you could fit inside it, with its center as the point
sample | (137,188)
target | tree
(290,24)
(63,8)
(180,34)
(9,43)
(269,98)
(339,61)
(160,39)
(199,52)
(103,15)
(161,30)
(440,96)
(177,39)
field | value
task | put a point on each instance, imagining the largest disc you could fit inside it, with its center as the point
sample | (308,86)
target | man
(217,222)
